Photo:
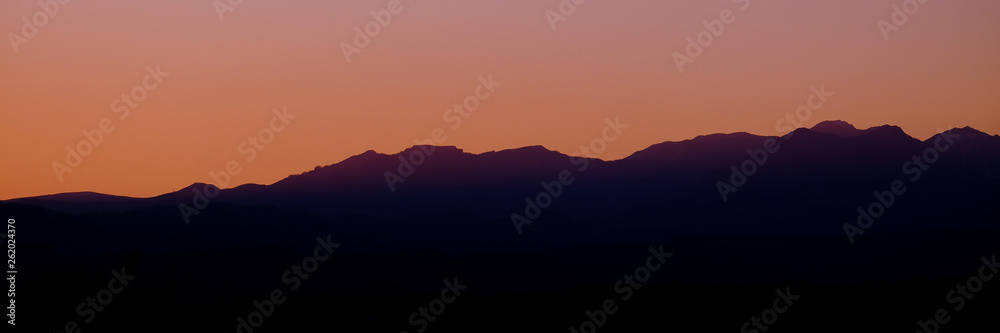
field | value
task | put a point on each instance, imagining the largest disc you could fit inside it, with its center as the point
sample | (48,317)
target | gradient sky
(940,70)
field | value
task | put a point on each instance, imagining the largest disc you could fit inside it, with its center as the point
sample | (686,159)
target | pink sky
(609,58)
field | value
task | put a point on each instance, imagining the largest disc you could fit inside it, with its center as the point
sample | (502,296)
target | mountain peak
(887,131)
(530,152)
(837,127)
(972,132)
(433,149)
(199,186)
(535,148)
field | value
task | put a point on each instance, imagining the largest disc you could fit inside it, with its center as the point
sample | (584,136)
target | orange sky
(939,70)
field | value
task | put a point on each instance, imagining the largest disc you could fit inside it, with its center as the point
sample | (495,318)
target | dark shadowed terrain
(781,226)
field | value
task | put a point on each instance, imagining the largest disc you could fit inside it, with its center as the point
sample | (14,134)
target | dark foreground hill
(738,225)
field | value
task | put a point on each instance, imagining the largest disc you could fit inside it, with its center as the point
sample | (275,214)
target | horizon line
(489,151)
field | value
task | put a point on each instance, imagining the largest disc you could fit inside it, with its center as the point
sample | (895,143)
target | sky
(557,74)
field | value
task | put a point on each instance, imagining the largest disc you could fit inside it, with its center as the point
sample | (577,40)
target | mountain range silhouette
(784,225)
(358,184)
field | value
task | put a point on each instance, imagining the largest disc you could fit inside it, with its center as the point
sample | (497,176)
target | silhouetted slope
(83,202)
(781,228)
(979,150)
(670,186)
(837,127)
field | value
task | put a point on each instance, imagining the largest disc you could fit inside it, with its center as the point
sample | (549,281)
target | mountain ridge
(355,171)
